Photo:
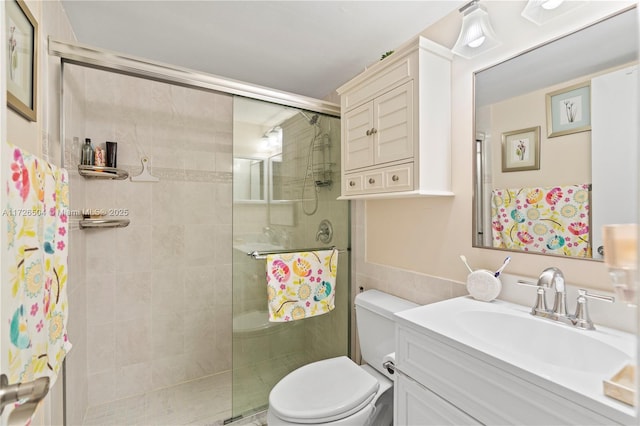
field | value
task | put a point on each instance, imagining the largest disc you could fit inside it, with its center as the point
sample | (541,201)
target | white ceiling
(304,47)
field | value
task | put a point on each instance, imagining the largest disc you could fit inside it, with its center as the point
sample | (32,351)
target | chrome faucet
(554,279)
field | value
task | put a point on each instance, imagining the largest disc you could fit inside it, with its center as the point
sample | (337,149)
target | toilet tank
(376,324)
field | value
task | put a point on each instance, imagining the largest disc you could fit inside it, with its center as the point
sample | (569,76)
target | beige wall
(427,235)
(42,138)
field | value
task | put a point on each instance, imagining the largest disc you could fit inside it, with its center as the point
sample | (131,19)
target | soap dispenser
(86,158)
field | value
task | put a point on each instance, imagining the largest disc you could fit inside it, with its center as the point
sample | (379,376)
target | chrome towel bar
(263,255)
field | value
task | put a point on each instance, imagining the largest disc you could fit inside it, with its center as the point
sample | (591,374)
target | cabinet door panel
(417,405)
(358,145)
(393,118)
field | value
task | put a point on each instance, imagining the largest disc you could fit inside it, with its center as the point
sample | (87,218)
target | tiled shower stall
(158,292)
(159,298)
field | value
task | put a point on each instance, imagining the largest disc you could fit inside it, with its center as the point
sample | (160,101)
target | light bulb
(477,42)
(551,4)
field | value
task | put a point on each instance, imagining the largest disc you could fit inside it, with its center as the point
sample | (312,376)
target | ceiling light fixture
(476,35)
(541,11)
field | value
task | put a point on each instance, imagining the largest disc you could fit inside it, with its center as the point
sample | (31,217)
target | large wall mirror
(556,142)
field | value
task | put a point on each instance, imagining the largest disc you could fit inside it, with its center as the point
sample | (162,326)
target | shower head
(312,120)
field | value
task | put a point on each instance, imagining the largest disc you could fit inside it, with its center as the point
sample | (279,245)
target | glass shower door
(286,180)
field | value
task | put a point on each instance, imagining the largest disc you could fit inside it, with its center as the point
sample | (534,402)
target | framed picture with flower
(22,58)
(521,150)
(569,110)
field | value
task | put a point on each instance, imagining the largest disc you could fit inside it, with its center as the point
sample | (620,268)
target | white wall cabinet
(396,125)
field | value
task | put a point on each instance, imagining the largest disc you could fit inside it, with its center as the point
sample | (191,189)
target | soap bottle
(87,153)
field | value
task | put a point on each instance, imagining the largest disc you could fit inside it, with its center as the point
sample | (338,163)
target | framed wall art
(22,58)
(521,150)
(569,110)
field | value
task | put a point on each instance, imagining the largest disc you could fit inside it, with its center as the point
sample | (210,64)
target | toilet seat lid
(322,391)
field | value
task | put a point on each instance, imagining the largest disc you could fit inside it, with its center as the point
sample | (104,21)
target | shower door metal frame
(93,57)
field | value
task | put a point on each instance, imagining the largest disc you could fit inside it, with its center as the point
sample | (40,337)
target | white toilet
(338,391)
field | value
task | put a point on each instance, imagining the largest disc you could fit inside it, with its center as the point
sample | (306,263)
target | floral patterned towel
(36,223)
(542,220)
(301,285)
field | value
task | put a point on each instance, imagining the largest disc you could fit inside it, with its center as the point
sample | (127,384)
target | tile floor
(205,401)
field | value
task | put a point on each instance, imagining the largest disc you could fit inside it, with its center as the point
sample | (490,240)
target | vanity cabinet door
(380,131)
(393,125)
(417,405)
(358,142)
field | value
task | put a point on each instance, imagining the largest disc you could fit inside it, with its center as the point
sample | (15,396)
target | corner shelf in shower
(103,223)
(102,172)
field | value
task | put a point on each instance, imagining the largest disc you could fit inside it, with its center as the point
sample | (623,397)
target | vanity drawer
(374,181)
(462,379)
(399,178)
(380,180)
(353,184)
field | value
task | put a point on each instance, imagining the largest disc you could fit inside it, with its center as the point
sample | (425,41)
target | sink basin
(543,341)
(569,361)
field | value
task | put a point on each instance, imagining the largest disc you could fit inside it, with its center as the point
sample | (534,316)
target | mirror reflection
(276,181)
(556,142)
(249,179)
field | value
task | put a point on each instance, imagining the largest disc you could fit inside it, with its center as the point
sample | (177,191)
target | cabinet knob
(368,132)
(395,178)
(352,183)
(372,181)
(374,131)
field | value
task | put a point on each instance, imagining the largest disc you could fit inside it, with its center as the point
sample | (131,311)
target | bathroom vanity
(462,361)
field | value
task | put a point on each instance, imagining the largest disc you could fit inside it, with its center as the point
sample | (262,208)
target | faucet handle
(581,318)
(585,293)
(541,302)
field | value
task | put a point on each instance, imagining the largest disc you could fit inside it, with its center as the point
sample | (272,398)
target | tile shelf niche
(102,172)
